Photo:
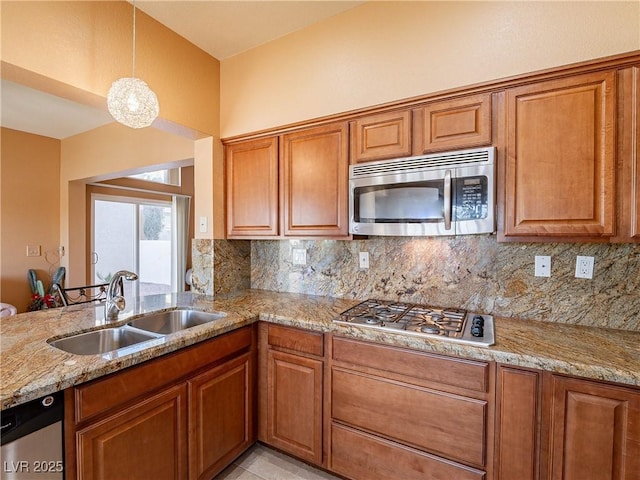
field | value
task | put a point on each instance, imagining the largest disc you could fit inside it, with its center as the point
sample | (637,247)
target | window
(170,176)
(134,234)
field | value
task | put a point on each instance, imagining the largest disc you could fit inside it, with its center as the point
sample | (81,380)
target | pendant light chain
(133,69)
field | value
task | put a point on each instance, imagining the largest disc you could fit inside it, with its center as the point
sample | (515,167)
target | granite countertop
(30,367)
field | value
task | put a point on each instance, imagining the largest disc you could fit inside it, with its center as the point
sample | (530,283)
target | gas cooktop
(451,324)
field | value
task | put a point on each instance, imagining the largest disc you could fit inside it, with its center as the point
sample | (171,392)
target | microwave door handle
(447,200)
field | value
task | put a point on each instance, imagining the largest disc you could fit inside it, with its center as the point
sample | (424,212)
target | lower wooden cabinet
(362,410)
(359,455)
(554,427)
(145,440)
(221,417)
(518,423)
(400,413)
(291,394)
(594,431)
(183,415)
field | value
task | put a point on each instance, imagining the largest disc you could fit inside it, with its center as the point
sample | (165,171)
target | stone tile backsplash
(472,272)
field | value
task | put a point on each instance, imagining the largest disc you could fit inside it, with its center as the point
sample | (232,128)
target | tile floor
(263,463)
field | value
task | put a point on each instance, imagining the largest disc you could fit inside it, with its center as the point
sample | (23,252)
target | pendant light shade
(130,100)
(132,103)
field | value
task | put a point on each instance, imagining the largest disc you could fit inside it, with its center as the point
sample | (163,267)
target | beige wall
(87,45)
(30,198)
(385,51)
(76,49)
(103,153)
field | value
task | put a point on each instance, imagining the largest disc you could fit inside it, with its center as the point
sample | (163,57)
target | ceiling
(225,28)
(221,28)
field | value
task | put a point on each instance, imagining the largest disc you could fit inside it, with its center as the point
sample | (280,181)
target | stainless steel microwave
(448,193)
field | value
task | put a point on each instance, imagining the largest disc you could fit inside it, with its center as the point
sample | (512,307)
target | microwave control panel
(471,198)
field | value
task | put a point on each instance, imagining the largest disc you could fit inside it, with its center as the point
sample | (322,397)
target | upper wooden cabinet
(252,188)
(559,172)
(628,155)
(381,136)
(458,123)
(294,185)
(314,177)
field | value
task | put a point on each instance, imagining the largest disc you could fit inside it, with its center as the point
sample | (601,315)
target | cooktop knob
(477,331)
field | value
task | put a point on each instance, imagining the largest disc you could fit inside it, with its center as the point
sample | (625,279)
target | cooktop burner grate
(415,319)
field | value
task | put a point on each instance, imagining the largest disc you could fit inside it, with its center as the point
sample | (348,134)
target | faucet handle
(119,302)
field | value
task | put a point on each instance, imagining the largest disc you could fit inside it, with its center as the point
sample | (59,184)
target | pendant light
(130,100)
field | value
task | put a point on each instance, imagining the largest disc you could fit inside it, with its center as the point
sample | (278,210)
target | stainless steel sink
(104,341)
(174,320)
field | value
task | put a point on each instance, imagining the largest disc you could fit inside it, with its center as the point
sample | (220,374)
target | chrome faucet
(115,302)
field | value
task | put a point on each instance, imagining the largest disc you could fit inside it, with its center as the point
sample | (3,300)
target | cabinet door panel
(594,431)
(444,424)
(376,137)
(252,188)
(560,166)
(147,440)
(220,415)
(453,124)
(518,424)
(295,405)
(314,181)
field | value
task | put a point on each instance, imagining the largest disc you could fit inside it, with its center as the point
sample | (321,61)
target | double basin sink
(141,332)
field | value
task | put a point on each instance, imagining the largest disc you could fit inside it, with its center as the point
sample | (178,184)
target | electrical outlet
(364,260)
(584,267)
(543,266)
(33,250)
(299,256)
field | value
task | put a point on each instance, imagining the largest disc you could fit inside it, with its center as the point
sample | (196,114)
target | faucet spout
(115,302)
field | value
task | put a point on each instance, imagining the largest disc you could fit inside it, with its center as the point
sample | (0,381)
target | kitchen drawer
(468,374)
(440,423)
(296,340)
(361,456)
(98,396)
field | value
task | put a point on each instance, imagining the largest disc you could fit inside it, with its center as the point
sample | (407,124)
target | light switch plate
(364,260)
(203,224)
(33,250)
(543,266)
(299,256)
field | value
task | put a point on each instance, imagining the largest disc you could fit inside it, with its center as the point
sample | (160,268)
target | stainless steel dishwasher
(31,439)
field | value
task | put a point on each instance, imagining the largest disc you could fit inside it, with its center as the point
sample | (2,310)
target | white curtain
(181,207)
